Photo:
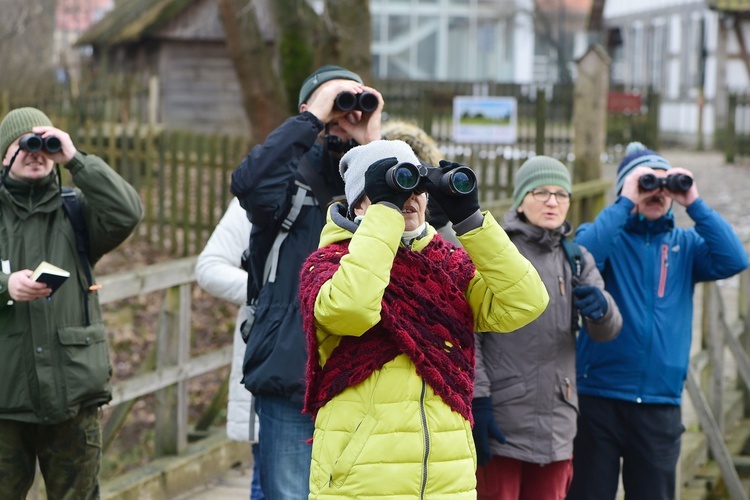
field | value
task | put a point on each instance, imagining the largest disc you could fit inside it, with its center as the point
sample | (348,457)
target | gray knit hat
(540,171)
(322,75)
(18,122)
(356,161)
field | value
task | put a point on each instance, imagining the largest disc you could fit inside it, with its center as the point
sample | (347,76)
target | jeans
(256,492)
(285,450)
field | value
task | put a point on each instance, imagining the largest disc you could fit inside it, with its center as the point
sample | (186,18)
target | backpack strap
(317,184)
(575,258)
(74,212)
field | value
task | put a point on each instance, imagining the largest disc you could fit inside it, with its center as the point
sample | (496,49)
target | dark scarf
(425,315)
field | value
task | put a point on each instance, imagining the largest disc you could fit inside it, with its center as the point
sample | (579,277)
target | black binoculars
(409,177)
(676,182)
(35,143)
(367,102)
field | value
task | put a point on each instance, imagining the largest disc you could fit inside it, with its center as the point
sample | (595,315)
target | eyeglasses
(542,195)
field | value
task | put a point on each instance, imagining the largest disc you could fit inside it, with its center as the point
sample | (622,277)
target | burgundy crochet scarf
(423,308)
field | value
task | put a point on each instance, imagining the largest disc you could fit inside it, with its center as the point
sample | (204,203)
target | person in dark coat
(285,186)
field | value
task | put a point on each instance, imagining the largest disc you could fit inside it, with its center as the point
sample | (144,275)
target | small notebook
(51,275)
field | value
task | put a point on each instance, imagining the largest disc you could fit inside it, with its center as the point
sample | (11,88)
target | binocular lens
(461,182)
(31,143)
(403,177)
(368,102)
(52,144)
(675,183)
(345,101)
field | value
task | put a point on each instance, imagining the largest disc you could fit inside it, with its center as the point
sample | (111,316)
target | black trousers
(646,436)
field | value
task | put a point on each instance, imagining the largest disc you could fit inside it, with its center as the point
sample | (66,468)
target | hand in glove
(376,187)
(590,301)
(485,427)
(456,208)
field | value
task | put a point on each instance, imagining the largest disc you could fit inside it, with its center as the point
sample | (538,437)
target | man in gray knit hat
(53,357)
(285,186)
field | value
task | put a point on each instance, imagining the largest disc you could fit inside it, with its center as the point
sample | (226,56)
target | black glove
(484,428)
(378,190)
(456,208)
(590,301)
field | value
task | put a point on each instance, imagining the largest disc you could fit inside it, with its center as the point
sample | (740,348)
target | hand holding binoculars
(677,183)
(35,143)
(367,102)
(409,177)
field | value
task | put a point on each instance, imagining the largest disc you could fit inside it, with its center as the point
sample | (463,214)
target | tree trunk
(272,62)
(264,101)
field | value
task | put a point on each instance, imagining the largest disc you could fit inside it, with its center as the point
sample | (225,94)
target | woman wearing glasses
(525,381)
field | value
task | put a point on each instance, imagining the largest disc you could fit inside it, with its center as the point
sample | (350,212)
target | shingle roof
(730,5)
(131,20)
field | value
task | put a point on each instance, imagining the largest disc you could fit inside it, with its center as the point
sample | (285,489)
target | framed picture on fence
(485,119)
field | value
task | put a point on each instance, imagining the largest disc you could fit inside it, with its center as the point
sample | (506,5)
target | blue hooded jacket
(650,268)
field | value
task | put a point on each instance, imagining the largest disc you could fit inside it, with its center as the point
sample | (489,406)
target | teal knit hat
(540,171)
(18,122)
(322,75)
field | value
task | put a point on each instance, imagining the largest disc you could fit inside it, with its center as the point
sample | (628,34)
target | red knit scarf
(425,315)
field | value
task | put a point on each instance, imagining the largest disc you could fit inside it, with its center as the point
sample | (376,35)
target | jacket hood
(339,228)
(514,225)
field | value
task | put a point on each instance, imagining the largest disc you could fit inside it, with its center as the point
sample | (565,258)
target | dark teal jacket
(51,362)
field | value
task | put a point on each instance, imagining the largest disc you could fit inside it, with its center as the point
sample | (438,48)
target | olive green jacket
(51,362)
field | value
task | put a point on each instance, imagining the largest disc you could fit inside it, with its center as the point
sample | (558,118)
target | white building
(687,52)
(475,40)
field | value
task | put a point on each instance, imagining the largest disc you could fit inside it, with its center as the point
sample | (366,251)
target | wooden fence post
(730,141)
(173,349)
(541,117)
(590,124)
(652,101)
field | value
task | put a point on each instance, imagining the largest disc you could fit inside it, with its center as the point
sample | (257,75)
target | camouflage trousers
(69,455)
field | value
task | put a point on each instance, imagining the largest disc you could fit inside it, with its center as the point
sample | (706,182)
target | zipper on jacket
(663,270)
(426,433)
(568,389)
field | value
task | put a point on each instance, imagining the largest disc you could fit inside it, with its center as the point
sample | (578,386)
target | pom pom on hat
(356,161)
(18,122)
(322,75)
(636,155)
(540,171)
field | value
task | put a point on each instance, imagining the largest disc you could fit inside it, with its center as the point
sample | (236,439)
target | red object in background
(624,102)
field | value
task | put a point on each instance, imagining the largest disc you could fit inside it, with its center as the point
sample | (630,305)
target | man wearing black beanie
(285,186)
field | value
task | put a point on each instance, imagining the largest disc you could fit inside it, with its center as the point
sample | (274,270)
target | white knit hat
(356,161)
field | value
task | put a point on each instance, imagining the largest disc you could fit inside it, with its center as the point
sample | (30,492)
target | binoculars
(676,182)
(367,102)
(409,177)
(35,143)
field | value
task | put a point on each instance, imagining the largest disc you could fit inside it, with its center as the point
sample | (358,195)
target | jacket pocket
(508,390)
(85,360)
(15,393)
(352,451)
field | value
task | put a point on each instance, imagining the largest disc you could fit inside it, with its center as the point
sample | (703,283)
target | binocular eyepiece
(677,183)
(35,143)
(409,177)
(367,102)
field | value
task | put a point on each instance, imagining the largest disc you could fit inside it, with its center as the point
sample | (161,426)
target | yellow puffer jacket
(391,436)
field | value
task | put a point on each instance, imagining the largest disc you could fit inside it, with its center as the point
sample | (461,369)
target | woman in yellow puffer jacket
(390,310)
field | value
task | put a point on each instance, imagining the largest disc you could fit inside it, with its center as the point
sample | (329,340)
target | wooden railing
(723,358)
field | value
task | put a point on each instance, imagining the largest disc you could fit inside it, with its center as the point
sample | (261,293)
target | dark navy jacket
(650,268)
(265,183)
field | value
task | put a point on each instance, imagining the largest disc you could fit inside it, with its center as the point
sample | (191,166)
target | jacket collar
(638,224)
(516,225)
(26,198)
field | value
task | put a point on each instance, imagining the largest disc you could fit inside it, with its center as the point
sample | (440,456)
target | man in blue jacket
(285,185)
(630,388)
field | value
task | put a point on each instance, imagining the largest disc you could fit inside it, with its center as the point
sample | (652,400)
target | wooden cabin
(178,46)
